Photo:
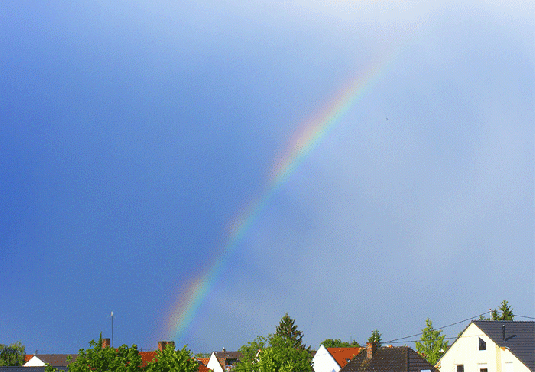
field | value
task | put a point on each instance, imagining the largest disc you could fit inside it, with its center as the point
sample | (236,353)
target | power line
(396,340)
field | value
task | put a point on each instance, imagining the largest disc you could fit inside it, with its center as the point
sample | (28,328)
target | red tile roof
(27,358)
(203,362)
(342,355)
(147,357)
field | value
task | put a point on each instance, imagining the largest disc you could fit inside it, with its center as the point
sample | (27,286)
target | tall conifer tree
(287,329)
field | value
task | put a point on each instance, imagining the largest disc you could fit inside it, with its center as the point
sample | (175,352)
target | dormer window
(482,344)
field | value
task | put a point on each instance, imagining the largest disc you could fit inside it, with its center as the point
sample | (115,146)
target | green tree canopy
(504,312)
(102,359)
(283,351)
(431,345)
(376,337)
(283,356)
(338,343)
(250,353)
(169,360)
(288,329)
(12,355)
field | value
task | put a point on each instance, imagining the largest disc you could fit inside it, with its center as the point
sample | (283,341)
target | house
(60,361)
(223,360)
(492,346)
(388,359)
(333,359)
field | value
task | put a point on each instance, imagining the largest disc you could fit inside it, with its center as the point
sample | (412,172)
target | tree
(338,343)
(288,330)
(12,355)
(283,356)
(168,360)
(250,353)
(375,337)
(283,351)
(506,312)
(431,345)
(98,358)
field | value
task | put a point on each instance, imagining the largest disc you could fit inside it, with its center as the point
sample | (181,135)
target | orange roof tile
(147,357)
(342,355)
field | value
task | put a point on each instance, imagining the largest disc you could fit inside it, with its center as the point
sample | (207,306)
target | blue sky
(133,133)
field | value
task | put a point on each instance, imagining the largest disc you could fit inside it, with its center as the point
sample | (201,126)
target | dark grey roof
(228,354)
(57,360)
(389,359)
(519,338)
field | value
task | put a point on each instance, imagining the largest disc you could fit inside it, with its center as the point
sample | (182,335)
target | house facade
(223,360)
(492,346)
(333,359)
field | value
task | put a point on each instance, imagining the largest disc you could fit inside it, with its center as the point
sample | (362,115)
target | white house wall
(466,351)
(214,364)
(34,362)
(324,362)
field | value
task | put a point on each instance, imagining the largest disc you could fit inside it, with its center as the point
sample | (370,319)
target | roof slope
(228,354)
(57,360)
(388,359)
(203,364)
(342,355)
(519,337)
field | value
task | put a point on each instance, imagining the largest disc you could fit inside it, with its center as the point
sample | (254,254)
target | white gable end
(474,350)
(324,362)
(214,364)
(34,362)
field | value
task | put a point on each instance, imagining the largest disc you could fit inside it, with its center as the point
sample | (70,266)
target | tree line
(282,351)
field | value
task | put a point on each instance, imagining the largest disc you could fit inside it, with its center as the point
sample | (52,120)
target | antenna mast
(112,329)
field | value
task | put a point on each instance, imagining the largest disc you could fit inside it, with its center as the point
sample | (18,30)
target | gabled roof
(519,338)
(387,359)
(203,362)
(56,360)
(342,355)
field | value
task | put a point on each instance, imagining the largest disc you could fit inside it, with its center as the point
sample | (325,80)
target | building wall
(466,351)
(324,362)
(213,364)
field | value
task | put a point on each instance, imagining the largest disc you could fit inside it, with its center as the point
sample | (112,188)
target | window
(483,369)
(482,344)
(460,368)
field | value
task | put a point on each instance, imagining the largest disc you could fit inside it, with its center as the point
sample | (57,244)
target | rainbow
(313,131)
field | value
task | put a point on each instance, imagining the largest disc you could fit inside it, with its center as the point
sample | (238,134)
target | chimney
(163,344)
(223,349)
(371,347)
(105,342)
(503,332)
